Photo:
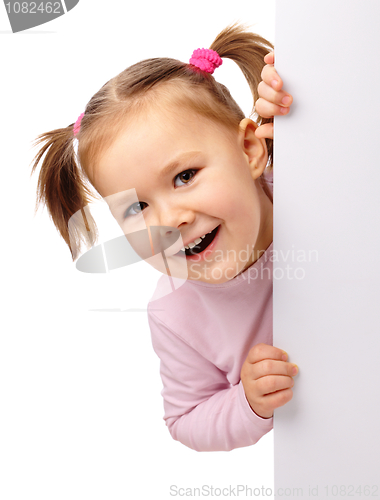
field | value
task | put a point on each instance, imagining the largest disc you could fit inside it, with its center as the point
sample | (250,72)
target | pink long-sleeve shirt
(202,334)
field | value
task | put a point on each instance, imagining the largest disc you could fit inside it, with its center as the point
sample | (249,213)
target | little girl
(172,133)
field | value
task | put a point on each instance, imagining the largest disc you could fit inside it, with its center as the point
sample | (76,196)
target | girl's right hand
(273,100)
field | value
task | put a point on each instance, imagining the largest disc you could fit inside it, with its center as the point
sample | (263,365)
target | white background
(81,411)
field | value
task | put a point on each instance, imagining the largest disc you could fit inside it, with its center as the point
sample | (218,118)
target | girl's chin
(213,274)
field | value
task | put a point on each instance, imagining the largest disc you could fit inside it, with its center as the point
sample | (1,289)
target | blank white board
(326,242)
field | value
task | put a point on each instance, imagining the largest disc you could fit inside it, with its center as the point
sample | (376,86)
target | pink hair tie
(206,60)
(77,124)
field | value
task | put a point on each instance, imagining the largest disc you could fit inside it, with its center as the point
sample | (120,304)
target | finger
(267,109)
(270,77)
(273,383)
(276,399)
(264,351)
(264,131)
(269,58)
(268,367)
(276,97)
(265,405)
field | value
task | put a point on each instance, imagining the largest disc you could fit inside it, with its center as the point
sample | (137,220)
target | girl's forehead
(154,140)
(165,130)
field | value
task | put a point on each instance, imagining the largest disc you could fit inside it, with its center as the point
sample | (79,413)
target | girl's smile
(196,176)
(197,250)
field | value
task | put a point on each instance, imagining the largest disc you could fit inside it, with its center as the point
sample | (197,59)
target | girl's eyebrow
(178,160)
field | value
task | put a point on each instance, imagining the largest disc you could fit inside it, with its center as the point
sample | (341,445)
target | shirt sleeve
(202,409)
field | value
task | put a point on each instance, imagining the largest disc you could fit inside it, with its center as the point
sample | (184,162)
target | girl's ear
(253,147)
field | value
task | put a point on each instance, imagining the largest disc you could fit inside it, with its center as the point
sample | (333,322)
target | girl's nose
(176,218)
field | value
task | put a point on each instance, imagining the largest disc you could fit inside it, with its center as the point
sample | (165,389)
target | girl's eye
(184,177)
(136,208)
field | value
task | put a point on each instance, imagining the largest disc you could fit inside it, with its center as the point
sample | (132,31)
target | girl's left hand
(273,100)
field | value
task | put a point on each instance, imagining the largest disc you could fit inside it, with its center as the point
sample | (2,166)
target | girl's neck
(265,236)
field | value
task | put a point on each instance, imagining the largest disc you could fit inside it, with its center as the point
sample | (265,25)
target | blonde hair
(62,184)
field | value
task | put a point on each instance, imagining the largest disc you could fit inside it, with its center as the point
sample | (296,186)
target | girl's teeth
(194,243)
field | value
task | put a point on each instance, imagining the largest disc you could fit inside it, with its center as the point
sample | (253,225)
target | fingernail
(284,356)
(283,111)
(274,83)
(295,370)
(286,100)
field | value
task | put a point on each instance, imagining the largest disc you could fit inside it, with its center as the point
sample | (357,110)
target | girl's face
(196,176)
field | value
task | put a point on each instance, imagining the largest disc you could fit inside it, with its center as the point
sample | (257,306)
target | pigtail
(247,50)
(62,189)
